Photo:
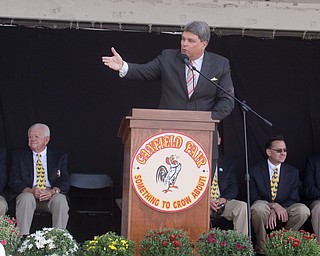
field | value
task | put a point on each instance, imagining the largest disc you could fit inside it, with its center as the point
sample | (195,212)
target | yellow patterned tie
(214,187)
(41,176)
(274,183)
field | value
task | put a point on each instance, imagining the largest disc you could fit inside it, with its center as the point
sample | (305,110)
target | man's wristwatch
(56,191)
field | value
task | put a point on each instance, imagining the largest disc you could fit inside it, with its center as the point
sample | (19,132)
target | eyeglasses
(279,150)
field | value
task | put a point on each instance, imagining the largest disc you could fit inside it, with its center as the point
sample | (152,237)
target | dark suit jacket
(171,70)
(22,171)
(227,177)
(312,178)
(3,172)
(288,187)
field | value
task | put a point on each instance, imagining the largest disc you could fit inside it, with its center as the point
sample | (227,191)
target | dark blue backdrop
(57,77)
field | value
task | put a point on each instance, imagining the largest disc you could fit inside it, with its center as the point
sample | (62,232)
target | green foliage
(288,242)
(166,242)
(108,244)
(9,235)
(221,242)
(49,242)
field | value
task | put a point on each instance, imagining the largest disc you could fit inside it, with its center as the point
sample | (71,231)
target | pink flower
(3,242)
(211,239)
(223,243)
(238,246)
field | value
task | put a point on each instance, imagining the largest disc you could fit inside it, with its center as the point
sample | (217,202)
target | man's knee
(59,201)
(303,210)
(25,198)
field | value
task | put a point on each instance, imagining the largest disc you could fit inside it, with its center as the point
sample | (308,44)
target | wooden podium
(141,124)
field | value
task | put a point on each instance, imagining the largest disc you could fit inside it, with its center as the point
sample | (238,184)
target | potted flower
(108,244)
(223,242)
(165,242)
(288,242)
(49,242)
(9,235)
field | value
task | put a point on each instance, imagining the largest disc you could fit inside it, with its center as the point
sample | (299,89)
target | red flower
(176,243)
(164,243)
(3,242)
(172,237)
(296,243)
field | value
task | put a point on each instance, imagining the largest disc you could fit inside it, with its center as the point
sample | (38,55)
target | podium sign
(167,170)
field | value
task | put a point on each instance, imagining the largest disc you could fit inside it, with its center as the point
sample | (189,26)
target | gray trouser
(315,217)
(3,206)
(27,204)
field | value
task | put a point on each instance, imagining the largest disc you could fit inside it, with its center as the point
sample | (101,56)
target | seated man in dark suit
(224,193)
(312,191)
(3,182)
(274,191)
(40,180)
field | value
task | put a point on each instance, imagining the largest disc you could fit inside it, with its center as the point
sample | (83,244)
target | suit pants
(26,204)
(3,206)
(260,211)
(315,217)
(236,211)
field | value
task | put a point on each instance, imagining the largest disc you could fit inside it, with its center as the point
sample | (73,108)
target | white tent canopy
(294,17)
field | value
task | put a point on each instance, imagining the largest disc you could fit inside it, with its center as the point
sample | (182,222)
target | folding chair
(91,205)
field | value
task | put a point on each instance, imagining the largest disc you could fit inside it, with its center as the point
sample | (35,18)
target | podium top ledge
(171,115)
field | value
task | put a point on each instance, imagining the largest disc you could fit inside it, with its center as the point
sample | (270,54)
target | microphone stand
(245,108)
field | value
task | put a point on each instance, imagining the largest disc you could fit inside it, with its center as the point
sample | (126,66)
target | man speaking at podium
(183,88)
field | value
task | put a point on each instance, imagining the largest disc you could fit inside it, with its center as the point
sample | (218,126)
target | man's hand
(45,194)
(272,221)
(281,212)
(114,62)
(216,205)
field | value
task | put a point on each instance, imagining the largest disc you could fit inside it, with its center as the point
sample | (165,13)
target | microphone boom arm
(243,104)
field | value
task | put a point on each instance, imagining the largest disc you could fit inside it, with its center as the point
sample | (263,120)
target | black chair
(91,205)
(217,221)
(40,220)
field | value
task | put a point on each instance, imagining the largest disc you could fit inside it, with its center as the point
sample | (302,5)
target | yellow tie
(274,183)
(214,187)
(41,176)
(190,81)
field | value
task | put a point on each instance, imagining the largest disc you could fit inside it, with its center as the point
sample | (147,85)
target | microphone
(185,59)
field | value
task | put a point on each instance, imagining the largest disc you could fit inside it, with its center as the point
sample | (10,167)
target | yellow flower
(92,242)
(112,247)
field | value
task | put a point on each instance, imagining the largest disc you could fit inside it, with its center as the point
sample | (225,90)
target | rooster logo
(169,177)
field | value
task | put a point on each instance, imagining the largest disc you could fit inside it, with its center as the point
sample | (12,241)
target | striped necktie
(214,187)
(190,81)
(40,173)
(274,183)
